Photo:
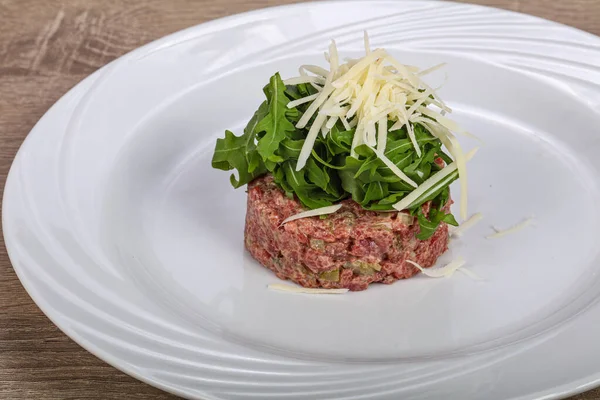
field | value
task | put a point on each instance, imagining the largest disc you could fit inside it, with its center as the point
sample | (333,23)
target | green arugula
(271,144)
(429,225)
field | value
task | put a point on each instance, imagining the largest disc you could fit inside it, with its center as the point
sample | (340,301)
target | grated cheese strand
(368,92)
(281,287)
(314,69)
(295,103)
(333,58)
(397,171)
(309,142)
(468,224)
(331,122)
(431,69)
(461,165)
(314,106)
(512,229)
(345,123)
(429,183)
(313,213)
(411,135)
(382,131)
(442,133)
(359,67)
(445,271)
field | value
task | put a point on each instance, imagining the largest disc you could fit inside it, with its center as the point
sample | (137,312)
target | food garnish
(446,271)
(512,229)
(369,129)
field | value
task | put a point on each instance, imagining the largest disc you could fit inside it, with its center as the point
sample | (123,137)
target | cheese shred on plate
(468,224)
(298,289)
(445,271)
(512,229)
(368,92)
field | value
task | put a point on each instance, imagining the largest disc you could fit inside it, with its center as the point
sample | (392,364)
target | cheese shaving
(512,229)
(313,213)
(382,131)
(297,289)
(431,69)
(331,122)
(397,171)
(468,224)
(295,103)
(314,69)
(345,123)
(445,271)
(430,183)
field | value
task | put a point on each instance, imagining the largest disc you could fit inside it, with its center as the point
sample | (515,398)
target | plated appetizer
(348,171)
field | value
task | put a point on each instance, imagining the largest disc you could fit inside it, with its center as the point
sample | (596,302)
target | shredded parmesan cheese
(468,224)
(445,271)
(297,289)
(394,168)
(430,183)
(313,213)
(314,69)
(432,69)
(295,103)
(512,229)
(368,92)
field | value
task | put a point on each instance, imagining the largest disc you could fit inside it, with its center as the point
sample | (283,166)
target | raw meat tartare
(348,171)
(348,249)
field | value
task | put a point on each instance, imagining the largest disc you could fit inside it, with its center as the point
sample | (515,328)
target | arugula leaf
(290,148)
(279,177)
(434,191)
(295,92)
(429,226)
(370,164)
(393,198)
(442,198)
(375,191)
(339,142)
(230,153)
(334,187)
(303,189)
(325,163)
(240,152)
(349,183)
(299,91)
(403,145)
(317,175)
(275,123)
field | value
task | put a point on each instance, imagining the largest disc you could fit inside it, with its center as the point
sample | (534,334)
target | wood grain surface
(46,47)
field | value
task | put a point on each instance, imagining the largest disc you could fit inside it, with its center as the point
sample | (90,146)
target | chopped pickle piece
(317,244)
(363,268)
(333,275)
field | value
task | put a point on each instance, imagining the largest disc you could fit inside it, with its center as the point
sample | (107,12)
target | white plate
(130,242)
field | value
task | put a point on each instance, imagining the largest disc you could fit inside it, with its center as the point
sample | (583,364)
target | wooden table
(46,47)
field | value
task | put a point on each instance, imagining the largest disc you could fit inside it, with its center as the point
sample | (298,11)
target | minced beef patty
(348,249)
